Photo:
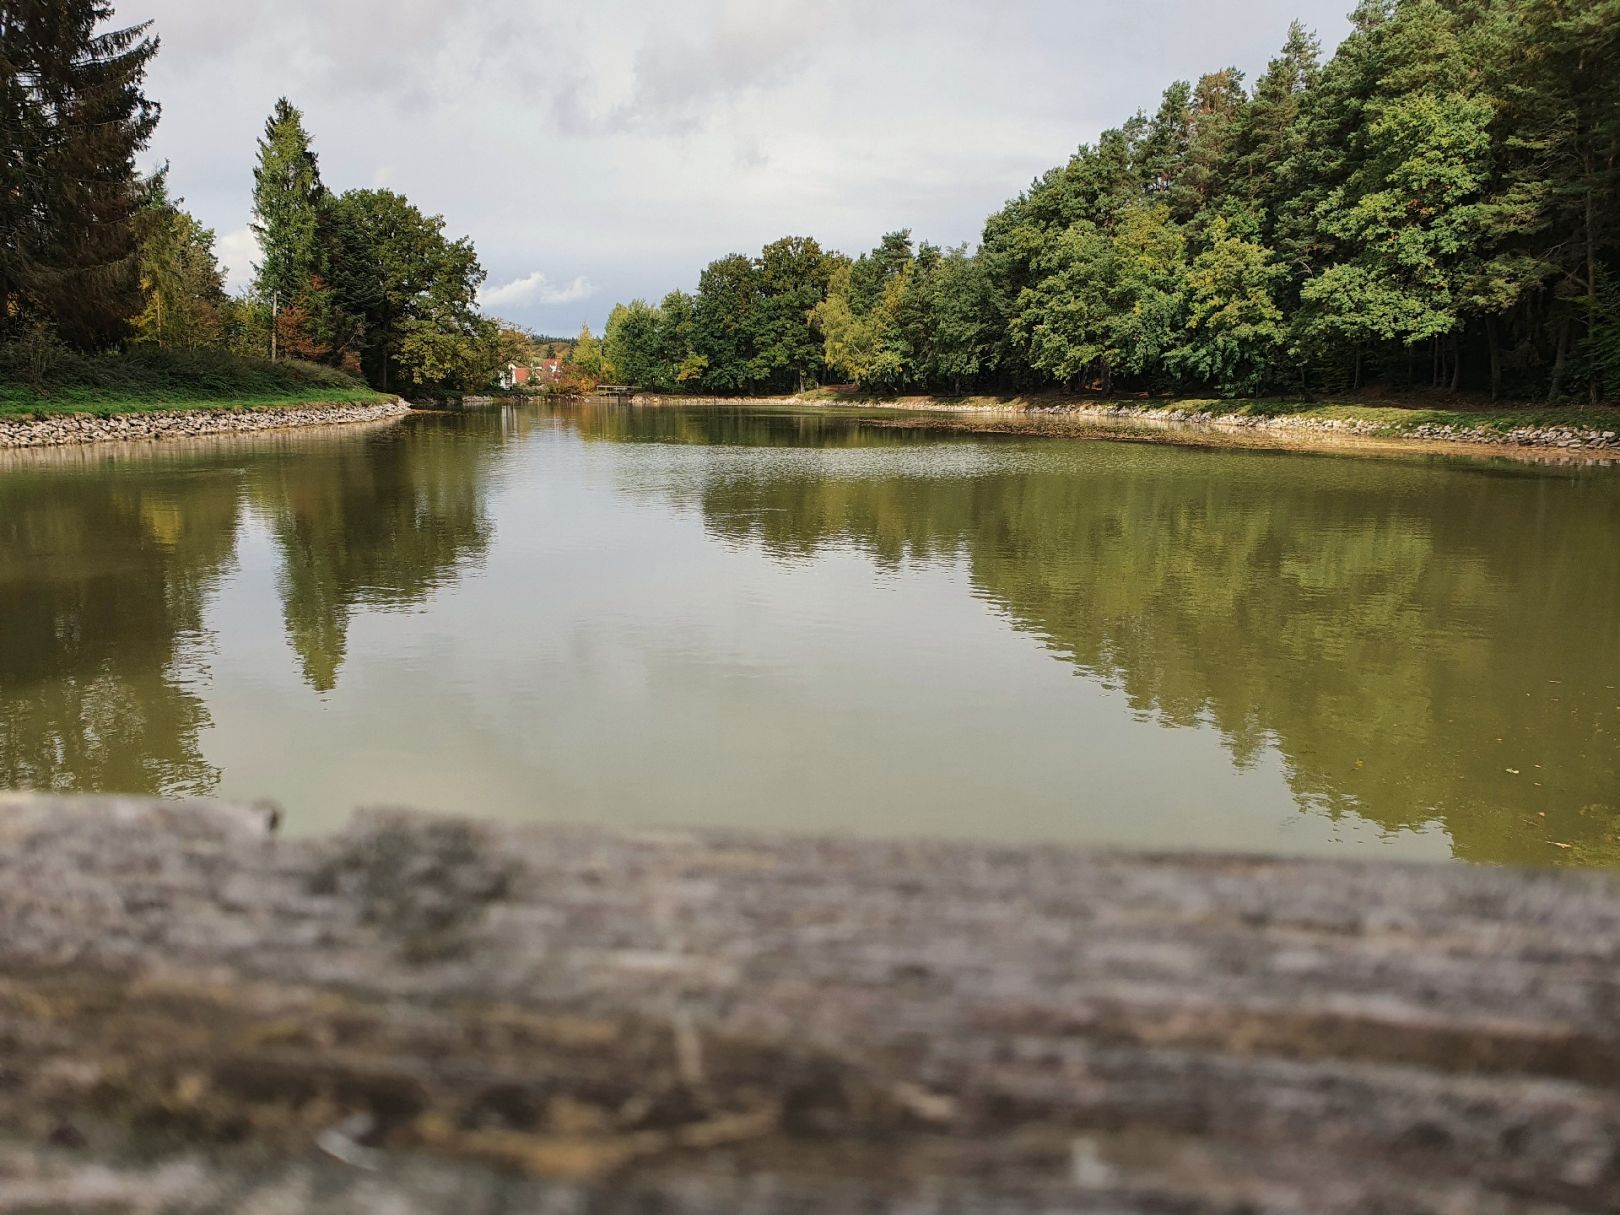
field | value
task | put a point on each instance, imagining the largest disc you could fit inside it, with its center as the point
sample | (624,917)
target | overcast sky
(599,151)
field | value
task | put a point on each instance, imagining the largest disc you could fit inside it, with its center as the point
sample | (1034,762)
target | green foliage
(90,255)
(963,326)
(1406,223)
(753,325)
(867,345)
(403,296)
(589,358)
(722,323)
(181,283)
(1437,205)
(792,280)
(631,346)
(1603,346)
(72,118)
(244,326)
(287,197)
(1236,332)
(35,354)
(146,378)
(435,359)
(1109,301)
(364,279)
(679,367)
(514,345)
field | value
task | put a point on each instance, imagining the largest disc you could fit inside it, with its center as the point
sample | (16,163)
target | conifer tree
(287,198)
(72,118)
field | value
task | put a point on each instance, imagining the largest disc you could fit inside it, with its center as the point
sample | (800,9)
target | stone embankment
(1577,440)
(74,428)
(442,1017)
(1524,436)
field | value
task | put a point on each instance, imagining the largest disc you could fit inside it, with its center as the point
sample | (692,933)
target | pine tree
(72,118)
(1562,87)
(1267,132)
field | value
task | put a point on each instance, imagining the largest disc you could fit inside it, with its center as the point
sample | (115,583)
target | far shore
(1565,432)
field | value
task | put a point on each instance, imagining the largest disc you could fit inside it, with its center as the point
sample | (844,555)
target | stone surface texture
(61,430)
(429,1015)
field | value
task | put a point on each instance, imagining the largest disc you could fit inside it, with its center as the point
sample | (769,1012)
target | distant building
(547,371)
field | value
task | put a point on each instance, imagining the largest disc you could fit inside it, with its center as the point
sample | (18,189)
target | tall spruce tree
(287,198)
(72,118)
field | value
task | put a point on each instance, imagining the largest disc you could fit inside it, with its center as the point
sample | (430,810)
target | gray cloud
(623,144)
(533,289)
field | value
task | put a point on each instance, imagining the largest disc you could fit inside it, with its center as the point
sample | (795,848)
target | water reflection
(102,587)
(734,426)
(106,566)
(380,523)
(1420,641)
(1382,644)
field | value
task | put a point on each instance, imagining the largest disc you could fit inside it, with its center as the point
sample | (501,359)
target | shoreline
(1192,424)
(80,429)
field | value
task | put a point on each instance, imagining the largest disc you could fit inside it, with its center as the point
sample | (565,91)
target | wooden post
(431,1015)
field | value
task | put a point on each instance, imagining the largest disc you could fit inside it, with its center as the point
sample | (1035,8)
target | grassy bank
(1393,418)
(148,380)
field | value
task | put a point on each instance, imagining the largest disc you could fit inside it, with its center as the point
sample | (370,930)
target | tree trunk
(1558,361)
(443,1017)
(1591,277)
(1355,377)
(1456,362)
(1492,340)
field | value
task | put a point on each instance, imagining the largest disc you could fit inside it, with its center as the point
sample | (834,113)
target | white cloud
(629,143)
(237,252)
(534,288)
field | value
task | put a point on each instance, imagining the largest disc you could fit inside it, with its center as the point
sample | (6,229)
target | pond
(810,620)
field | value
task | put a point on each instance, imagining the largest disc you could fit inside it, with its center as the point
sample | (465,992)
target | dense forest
(1434,207)
(96,257)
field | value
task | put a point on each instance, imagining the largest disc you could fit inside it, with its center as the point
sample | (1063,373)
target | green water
(810,621)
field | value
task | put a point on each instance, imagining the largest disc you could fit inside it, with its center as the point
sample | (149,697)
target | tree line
(1432,207)
(95,255)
